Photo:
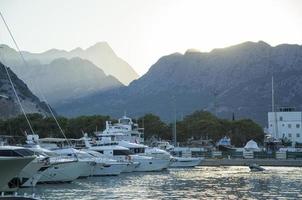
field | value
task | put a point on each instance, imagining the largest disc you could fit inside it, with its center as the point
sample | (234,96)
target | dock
(245,162)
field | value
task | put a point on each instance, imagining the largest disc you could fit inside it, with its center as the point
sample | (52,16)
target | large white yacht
(111,149)
(62,169)
(109,167)
(87,162)
(101,166)
(130,130)
(127,134)
(12,161)
(31,174)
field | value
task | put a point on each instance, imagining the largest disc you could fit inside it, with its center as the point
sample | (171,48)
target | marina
(184,183)
(78,122)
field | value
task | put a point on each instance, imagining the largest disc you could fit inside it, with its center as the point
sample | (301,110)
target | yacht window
(281,118)
(102,152)
(298,135)
(137,150)
(289,135)
(121,152)
(9,153)
(297,125)
(25,152)
(289,125)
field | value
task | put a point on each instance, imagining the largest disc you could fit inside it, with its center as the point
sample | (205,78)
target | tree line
(198,125)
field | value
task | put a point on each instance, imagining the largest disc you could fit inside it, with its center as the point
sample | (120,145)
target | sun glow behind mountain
(142,31)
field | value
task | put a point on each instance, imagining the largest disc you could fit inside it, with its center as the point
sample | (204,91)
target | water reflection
(197,183)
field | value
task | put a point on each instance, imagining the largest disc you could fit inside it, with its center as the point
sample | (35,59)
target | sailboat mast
(275,127)
(174,124)
(174,132)
(273,95)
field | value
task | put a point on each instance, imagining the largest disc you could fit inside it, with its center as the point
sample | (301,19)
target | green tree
(153,126)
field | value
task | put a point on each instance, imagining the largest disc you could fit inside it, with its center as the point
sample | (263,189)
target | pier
(245,162)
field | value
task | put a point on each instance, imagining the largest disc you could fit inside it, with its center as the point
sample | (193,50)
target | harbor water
(190,183)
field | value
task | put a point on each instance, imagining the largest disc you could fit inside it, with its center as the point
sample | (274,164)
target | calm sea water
(196,183)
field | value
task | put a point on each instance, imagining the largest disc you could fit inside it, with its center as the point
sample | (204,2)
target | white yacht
(63,147)
(125,129)
(115,151)
(107,167)
(12,161)
(127,134)
(185,162)
(32,173)
(87,162)
(62,168)
(111,151)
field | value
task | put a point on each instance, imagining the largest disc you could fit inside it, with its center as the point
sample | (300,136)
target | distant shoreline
(245,162)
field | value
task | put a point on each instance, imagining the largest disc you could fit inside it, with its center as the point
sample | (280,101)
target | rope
(18,99)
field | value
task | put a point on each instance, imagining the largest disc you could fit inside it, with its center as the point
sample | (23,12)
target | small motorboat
(185,162)
(256,168)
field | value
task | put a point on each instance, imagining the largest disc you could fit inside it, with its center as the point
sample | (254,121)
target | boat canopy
(251,145)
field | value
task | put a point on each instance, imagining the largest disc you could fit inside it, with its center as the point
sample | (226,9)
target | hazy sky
(141,31)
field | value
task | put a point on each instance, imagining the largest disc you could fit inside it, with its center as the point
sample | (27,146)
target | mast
(174,124)
(275,127)
(273,95)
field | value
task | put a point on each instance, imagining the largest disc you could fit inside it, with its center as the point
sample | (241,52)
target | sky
(142,31)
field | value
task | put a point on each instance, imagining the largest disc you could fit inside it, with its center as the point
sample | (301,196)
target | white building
(286,123)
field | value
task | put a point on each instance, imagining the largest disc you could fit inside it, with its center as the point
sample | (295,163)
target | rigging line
(26,64)
(18,99)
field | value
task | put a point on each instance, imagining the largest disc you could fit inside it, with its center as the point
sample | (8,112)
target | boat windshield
(16,153)
(25,152)
(121,152)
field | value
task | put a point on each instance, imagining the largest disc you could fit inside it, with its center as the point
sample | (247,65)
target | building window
(289,135)
(289,125)
(298,135)
(281,118)
(297,125)
(282,124)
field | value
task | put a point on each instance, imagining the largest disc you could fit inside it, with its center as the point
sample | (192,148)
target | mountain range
(9,106)
(62,75)
(236,79)
(100,54)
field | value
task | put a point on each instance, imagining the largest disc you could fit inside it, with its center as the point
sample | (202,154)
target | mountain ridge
(100,54)
(9,106)
(196,80)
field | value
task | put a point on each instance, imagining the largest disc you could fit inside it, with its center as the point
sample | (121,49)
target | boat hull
(86,168)
(61,172)
(109,169)
(10,167)
(185,162)
(151,165)
(32,173)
